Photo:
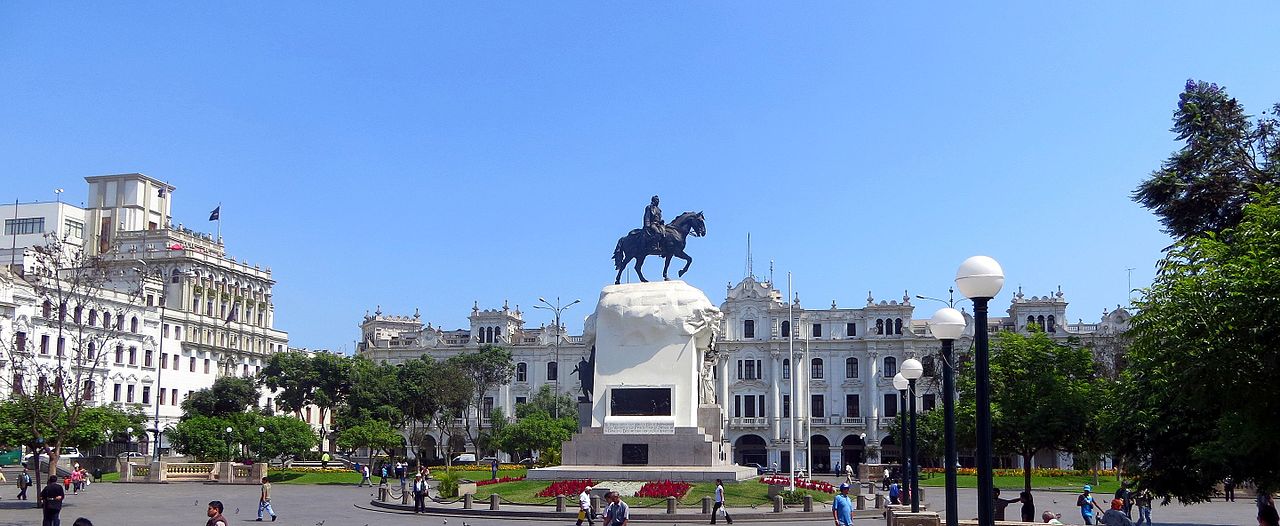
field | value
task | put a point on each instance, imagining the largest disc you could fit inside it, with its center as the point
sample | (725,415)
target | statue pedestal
(646,423)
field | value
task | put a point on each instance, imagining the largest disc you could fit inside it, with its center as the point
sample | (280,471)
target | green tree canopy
(1225,158)
(489,367)
(536,432)
(546,401)
(228,395)
(1200,393)
(206,437)
(16,419)
(377,435)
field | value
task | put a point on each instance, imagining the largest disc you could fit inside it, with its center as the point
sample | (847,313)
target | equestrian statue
(658,239)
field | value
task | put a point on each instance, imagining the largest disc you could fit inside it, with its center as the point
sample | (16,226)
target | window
(930,401)
(119,354)
(23,226)
(106,320)
(146,394)
(879,326)
(748,406)
(165,331)
(850,367)
(17,383)
(929,369)
(852,407)
(786,368)
(1052,325)
(93,317)
(817,408)
(897,326)
(44,344)
(129,394)
(86,392)
(308,415)
(46,310)
(815,368)
(486,409)
(62,347)
(246,369)
(520,400)
(193,364)
(749,329)
(177,332)
(786,329)
(115,393)
(21,341)
(522,372)
(164,360)
(890,405)
(78,314)
(750,369)
(206,366)
(552,371)
(890,366)
(160,399)
(851,329)
(786,406)
(175,277)
(74,228)
(146,357)
(133,324)
(119,321)
(173,397)
(1031,321)
(817,330)
(133,356)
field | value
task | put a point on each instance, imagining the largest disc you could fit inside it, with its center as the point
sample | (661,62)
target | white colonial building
(191,312)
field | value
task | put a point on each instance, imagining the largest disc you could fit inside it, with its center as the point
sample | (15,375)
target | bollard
(879,500)
(493,501)
(706,505)
(777,504)
(404,495)
(382,493)
(559,502)
(595,503)
(467,501)
(671,505)
(862,502)
(808,502)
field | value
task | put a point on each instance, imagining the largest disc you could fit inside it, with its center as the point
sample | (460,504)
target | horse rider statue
(653,225)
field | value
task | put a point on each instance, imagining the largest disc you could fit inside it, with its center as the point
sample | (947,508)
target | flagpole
(219,240)
(791,349)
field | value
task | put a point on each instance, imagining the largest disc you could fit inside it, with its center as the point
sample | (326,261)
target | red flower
(565,487)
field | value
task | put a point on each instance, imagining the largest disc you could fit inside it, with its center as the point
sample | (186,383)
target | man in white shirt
(584,507)
(719,506)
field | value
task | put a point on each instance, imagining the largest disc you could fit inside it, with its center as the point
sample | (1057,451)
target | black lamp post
(980,278)
(948,325)
(558,309)
(912,370)
(901,384)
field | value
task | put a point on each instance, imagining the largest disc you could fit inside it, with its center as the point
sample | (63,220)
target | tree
(430,389)
(321,379)
(1199,395)
(377,435)
(537,432)
(91,430)
(488,368)
(227,396)
(1204,186)
(374,395)
(87,308)
(546,400)
(206,437)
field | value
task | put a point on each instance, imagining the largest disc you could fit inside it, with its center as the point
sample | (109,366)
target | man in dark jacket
(50,500)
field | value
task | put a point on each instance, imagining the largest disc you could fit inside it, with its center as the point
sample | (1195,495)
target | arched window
(46,310)
(815,368)
(522,372)
(897,326)
(1052,325)
(786,368)
(749,329)
(850,367)
(133,324)
(93,317)
(106,319)
(119,322)
(175,276)
(786,329)
(879,326)
(929,368)
(62,311)
(86,393)
(79,314)
(1040,321)
(1031,320)
(497,333)
(93,351)
(552,371)
(890,366)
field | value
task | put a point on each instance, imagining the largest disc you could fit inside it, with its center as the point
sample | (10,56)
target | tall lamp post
(947,325)
(980,278)
(912,370)
(901,384)
(558,309)
(159,372)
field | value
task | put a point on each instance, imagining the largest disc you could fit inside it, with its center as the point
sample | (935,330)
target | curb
(509,513)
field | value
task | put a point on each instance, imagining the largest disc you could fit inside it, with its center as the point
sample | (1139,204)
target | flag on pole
(176,246)
(232,316)
(215,214)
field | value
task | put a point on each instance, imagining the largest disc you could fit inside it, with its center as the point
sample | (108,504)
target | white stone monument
(651,416)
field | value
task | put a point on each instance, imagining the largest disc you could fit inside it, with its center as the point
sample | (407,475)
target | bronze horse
(634,246)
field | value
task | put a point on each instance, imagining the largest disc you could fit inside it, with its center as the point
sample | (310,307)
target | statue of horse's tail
(618,255)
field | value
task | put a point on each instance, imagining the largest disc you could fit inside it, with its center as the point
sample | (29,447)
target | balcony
(853,421)
(748,422)
(886,422)
(818,420)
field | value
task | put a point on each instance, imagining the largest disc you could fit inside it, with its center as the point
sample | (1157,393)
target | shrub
(488,482)
(448,483)
(663,489)
(565,487)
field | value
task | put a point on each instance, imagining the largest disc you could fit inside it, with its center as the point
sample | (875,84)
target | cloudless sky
(429,155)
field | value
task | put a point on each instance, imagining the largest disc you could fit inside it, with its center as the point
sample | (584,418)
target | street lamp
(128,438)
(947,325)
(159,373)
(901,384)
(558,309)
(912,370)
(230,453)
(980,278)
(261,430)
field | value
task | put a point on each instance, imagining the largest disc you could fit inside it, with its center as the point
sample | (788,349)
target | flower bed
(484,467)
(565,487)
(824,487)
(1035,472)
(663,489)
(499,480)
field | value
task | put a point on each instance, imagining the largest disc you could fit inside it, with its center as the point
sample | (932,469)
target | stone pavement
(184,503)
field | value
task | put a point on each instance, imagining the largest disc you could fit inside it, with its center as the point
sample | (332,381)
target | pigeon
(237,511)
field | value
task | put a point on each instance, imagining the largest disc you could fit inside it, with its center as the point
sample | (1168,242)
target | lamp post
(128,438)
(159,372)
(230,453)
(912,370)
(980,278)
(557,309)
(901,384)
(947,325)
(261,430)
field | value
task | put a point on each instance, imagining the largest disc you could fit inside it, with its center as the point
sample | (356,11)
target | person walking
(364,476)
(215,514)
(719,505)
(999,504)
(1028,506)
(24,482)
(618,513)
(419,494)
(264,501)
(76,479)
(848,473)
(1143,500)
(493,469)
(584,507)
(1087,505)
(1229,489)
(1126,497)
(842,507)
(895,493)
(50,501)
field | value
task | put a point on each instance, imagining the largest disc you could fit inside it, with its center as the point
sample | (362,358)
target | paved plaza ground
(331,505)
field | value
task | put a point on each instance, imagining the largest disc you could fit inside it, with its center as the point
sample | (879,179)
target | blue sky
(428,155)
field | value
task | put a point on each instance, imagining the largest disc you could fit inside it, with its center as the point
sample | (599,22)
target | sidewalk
(481,509)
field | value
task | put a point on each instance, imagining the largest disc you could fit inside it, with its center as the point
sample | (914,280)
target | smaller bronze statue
(653,225)
(658,239)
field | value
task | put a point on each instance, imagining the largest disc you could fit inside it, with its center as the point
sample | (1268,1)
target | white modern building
(192,312)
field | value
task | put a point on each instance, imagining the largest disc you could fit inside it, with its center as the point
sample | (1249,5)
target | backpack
(1080,503)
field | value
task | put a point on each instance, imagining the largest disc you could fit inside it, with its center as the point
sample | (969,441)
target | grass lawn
(285,476)
(1007,484)
(740,494)
(111,477)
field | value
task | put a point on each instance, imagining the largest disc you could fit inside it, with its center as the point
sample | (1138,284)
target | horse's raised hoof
(681,273)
